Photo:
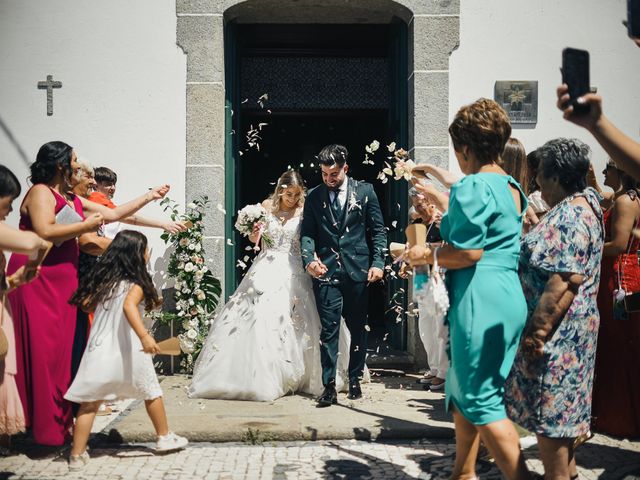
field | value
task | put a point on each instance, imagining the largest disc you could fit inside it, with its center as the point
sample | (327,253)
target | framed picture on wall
(519,99)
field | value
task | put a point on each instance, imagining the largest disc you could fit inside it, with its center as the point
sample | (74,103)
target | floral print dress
(551,396)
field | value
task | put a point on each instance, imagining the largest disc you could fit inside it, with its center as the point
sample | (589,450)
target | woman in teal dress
(482,230)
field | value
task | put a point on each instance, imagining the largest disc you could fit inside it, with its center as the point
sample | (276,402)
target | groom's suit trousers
(342,297)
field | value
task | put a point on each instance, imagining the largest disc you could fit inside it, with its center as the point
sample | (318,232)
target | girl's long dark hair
(122,261)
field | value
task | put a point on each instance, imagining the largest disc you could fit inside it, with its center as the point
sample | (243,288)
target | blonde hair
(514,162)
(290,178)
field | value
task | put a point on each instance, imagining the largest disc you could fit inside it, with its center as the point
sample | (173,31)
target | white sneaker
(170,441)
(78,462)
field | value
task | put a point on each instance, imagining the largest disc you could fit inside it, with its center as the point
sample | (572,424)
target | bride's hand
(254,234)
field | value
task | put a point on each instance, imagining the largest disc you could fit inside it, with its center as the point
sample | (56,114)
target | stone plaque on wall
(519,99)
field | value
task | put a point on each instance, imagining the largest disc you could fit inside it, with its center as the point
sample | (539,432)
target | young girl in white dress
(117,361)
(265,342)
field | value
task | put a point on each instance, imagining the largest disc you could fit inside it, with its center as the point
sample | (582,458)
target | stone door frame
(433,31)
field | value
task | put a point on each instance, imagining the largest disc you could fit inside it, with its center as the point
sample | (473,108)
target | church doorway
(291,89)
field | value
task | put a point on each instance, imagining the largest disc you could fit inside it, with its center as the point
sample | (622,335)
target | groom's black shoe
(329,396)
(355,392)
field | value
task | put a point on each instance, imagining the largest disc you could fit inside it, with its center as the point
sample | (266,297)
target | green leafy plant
(197,291)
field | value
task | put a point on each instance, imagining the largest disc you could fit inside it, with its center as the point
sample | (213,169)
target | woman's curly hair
(124,260)
(568,159)
(484,127)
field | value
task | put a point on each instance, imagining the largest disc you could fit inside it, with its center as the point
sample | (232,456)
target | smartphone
(633,18)
(575,73)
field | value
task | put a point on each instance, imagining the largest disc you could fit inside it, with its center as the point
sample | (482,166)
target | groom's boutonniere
(353,203)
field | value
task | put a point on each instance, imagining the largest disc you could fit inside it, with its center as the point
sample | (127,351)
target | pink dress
(11,411)
(44,328)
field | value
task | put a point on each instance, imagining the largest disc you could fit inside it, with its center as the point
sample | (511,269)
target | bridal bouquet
(250,218)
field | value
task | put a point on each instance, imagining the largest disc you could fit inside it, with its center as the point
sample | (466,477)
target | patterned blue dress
(551,396)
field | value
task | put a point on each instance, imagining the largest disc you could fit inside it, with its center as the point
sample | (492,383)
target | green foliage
(197,291)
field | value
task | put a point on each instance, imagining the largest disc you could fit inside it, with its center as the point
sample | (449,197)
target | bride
(265,342)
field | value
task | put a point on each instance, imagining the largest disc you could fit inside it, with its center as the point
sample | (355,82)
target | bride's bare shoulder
(267,204)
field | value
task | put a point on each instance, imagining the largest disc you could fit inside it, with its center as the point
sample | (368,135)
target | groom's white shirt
(342,193)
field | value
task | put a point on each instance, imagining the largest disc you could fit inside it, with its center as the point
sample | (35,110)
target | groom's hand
(374,275)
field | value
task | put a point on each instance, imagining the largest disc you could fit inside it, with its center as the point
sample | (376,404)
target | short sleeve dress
(488,308)
(551,396)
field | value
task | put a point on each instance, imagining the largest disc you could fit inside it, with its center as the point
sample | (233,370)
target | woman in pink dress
(11,412)
(44,319)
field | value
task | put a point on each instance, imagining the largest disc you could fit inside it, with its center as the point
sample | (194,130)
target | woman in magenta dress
(44,320)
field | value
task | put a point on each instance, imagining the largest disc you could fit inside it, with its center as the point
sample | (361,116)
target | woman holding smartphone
(44,319)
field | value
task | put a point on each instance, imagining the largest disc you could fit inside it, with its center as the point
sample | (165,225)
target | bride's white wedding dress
(265,342)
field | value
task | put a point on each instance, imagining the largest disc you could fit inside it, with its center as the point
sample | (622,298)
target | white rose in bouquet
(192,334)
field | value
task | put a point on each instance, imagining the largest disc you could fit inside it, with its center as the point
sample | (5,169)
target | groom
(343,240)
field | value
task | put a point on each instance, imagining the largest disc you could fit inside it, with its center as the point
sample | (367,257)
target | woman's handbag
(435,301)
(630,301)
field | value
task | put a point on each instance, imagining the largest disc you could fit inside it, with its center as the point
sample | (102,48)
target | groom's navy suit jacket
(355,242)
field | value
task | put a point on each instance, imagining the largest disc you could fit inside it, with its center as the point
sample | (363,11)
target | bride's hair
(290,178)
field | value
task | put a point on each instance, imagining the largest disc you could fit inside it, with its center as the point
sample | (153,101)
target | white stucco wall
(122,104)
(523,40)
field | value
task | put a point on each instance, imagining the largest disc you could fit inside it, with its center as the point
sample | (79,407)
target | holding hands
(316,269)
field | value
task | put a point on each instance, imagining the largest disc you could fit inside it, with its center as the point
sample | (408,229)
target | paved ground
(601,458)
(393,407)
(395,411)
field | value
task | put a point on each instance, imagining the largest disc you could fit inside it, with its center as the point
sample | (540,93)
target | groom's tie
(336,208)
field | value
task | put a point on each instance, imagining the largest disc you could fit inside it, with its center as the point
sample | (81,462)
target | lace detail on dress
(286,238)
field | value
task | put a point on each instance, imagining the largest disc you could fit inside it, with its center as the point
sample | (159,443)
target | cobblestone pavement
(601,457)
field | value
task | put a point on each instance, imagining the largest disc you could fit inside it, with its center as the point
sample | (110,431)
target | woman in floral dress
(549,389)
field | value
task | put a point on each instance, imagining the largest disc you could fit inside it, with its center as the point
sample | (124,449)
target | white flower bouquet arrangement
(197,291)
(253,218)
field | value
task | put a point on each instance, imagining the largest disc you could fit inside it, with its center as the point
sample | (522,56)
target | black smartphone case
(575,73)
